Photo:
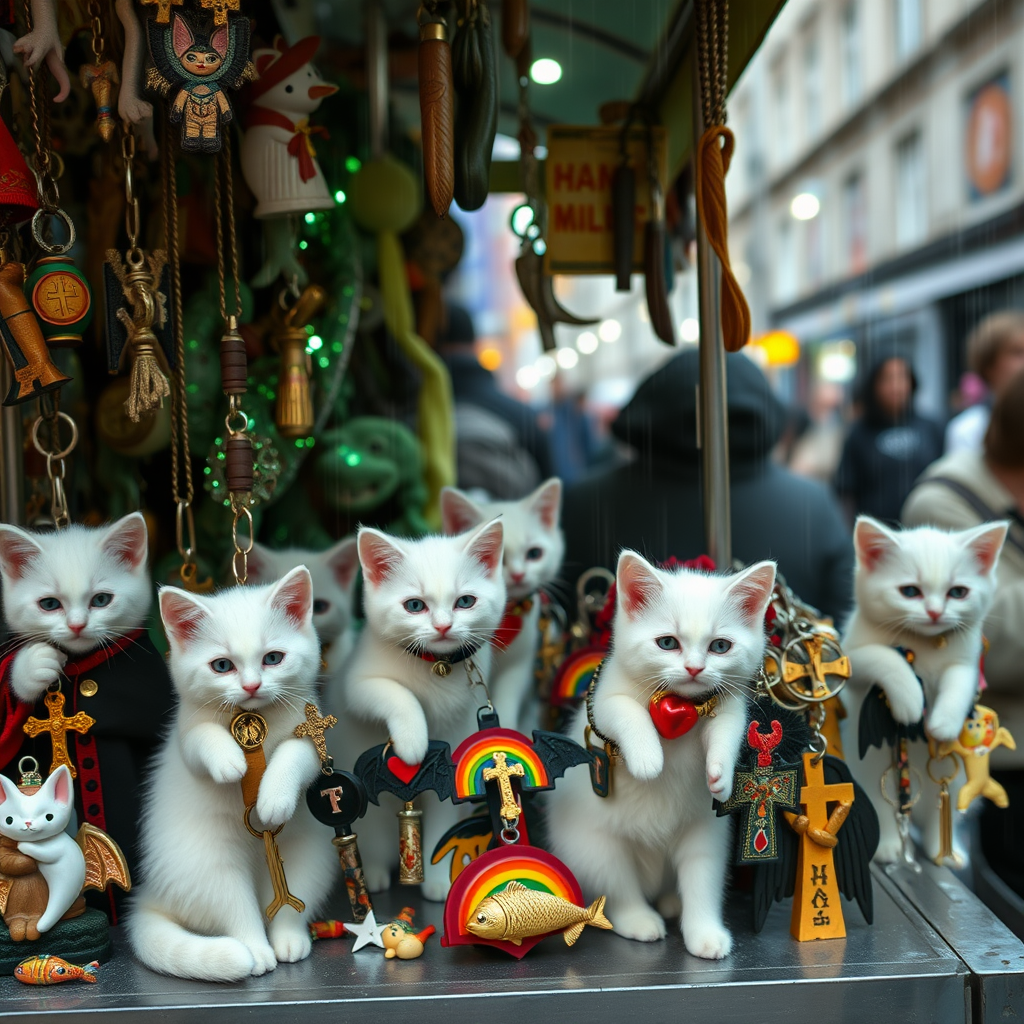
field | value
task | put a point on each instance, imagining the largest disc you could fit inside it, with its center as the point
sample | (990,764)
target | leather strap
(988,515)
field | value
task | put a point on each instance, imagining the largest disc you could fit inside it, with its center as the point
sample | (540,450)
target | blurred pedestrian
(995,352)
(889,446)
(654,503)
(817,450)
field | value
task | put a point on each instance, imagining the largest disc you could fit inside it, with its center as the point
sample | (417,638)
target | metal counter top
(934,954)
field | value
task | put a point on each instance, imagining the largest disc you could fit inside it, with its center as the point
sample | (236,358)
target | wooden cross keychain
(249,730)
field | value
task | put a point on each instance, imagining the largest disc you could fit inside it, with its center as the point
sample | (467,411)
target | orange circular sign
(989,143)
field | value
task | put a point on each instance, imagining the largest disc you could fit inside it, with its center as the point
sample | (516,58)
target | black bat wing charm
(558,753)
(383,772)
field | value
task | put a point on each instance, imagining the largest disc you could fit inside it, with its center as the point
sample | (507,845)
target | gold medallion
(249,729)
(442,669)
(60,298)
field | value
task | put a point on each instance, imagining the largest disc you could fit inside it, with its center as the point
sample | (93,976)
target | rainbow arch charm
(477,753)
(574,675)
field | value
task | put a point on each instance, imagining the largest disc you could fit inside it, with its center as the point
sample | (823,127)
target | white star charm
(367,932)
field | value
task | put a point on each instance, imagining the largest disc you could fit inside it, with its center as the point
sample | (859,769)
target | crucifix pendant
(249,730)
(57,726)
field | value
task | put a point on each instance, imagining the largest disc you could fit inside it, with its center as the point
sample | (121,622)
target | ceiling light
(587,342)
(805,206)
(527,377)
(567,358)
(545,71)
(610,330)
(689,330)
(545,366)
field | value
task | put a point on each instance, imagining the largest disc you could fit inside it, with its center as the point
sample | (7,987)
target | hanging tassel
(149,385)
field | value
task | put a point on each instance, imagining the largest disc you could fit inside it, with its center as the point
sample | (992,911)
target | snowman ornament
(278,157)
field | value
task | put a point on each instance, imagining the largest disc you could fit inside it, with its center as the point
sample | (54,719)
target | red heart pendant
(672,715)
(401,770)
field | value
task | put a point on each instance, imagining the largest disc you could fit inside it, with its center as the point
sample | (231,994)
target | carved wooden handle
(437,95)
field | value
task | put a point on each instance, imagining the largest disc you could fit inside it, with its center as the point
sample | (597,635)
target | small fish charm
(51,970)
(518,913)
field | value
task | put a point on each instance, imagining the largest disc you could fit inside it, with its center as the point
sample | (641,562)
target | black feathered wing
(858,840)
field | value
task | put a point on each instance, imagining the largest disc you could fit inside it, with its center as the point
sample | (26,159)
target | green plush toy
(371,471)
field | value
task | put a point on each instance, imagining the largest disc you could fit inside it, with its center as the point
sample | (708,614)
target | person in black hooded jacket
(890,446)
(653,504)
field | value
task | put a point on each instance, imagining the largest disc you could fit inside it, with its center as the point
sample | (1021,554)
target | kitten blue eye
(720,646)
(49,604)
(222,665)
(273,657)
(534,554)
(466,601)
(667,643)
(320,606)
(101,600)
(958,593)
(415,605)
(911,591)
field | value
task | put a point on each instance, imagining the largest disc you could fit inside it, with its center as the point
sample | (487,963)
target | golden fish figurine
(518,913)
(51,970)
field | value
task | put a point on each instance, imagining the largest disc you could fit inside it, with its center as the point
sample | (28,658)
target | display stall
(349,755)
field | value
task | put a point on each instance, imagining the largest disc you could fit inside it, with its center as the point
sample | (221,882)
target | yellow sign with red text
(579,167)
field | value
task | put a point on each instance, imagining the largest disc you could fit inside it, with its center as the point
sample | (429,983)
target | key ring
(64,453)
(252,831)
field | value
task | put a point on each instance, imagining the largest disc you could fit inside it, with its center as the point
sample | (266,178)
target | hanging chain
(182,489)
(99,44)
(234,374)
(50,414)
(132,217)
(713,58)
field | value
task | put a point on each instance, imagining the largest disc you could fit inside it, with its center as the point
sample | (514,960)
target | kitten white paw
(35,668)
(645,762)
(710,942)
(275,806)
(229,766)
(644,923)
(264,959)
(906,703)
(670,906)
(943,727)
(436,889)
(377,876)
(719,780)
(227,959)
(409,744)
(291,946)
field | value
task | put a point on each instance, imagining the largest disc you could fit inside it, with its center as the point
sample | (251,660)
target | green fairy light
(340,197)
(324,362)
(316,342)
(353,459)
(310,218)
(303,244)
(336,346)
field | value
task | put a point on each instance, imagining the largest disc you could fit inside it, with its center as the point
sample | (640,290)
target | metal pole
(377,76)
(711,405)
(11,460)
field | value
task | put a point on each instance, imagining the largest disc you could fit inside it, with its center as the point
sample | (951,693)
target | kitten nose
(251,688)
(76,627)
(934,616)
(518,577)
(443,630)
(695,671)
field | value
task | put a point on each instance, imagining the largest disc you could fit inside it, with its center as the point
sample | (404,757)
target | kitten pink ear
(219,40)
(546,501)
(379,555)
(486,546)
(182,614)
(753,589)
(61,787)
(294,596)
(343,560)
(458,513)
(986,543)
(18,550)
(127,541)
(636,582)
(872,541)
(181,36)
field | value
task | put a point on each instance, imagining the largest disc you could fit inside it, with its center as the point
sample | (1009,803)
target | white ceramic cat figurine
(928,591)
(693,634)
(533,557)
(199,910)
(439,597)
(37,822)
(70,591)
(333,572)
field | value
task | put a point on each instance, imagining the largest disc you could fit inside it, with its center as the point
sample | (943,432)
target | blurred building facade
(877,194)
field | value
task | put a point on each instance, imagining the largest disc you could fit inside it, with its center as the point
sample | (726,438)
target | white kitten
(70,591)
(928,591)
(693,634)
(333,572)
(441,597)
(37,821)
(199,910)
(533,557)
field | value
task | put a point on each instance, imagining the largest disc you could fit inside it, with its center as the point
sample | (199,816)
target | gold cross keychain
(57,725)
(249,730)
